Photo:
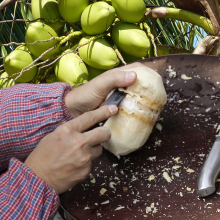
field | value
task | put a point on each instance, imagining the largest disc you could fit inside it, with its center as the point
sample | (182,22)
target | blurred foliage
(13,31)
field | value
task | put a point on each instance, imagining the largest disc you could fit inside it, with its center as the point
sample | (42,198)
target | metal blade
(115,98)
(210,171)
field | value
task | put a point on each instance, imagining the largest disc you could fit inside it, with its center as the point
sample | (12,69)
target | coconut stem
(74,47)
(92,39)
(181,15)
(11,43)
(69,36)
(119,55)
(53,21)
(151,36)
(41,41)
(41,76)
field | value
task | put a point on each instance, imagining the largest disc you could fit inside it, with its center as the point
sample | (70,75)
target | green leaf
(3,52)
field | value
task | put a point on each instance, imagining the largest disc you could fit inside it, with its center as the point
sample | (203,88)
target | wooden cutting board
(159,180)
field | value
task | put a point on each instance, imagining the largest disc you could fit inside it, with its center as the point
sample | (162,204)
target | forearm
(28,113)
(23,195)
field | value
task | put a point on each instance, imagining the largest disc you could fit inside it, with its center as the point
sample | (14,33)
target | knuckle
(82,141)
(106,131)
(104,112)
(67,128)
(79,125)
(92,117)
(85,159)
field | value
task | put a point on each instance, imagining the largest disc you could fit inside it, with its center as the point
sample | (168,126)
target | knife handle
(210,171)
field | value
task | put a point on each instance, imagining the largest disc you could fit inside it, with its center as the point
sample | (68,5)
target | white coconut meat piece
(138,112)
(149,88)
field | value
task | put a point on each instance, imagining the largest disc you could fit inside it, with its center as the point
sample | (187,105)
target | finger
(111,79)
(114,78)
(96,151)
(98,135)
(91,118)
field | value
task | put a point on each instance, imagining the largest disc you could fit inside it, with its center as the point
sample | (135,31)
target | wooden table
(159,180)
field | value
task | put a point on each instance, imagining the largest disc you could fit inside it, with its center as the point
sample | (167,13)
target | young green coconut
(93,72)
(39,31)
(97,18)
(98,53)
(22,47)
(71,69)
(5,82)
(16,61)
(71,10)
(131,39)
(47,9)
(131,11)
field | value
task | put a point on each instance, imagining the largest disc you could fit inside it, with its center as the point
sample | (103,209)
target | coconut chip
(185,77)
(190,170)
(103,191)
(119,208)
(167,177)
(151,178)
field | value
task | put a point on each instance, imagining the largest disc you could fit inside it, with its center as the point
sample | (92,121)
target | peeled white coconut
(138,112)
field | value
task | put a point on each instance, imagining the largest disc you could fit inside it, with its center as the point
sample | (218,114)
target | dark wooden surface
(189,123)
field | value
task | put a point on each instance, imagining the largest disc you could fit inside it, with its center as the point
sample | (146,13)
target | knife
(115,98)
(210,171)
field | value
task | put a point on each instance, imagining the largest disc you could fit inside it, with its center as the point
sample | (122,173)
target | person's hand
(92,94)
(63,158)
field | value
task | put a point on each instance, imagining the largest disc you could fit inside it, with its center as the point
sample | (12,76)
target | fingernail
(113,108)
(130,76)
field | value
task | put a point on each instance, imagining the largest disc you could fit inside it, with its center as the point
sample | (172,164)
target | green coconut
(129,58)
(98,53)
(129,10)
(39,31)
(131,39)
(16,61)
(97,18)
(71,69)
(93,72)
(5,82)
(71,10)
(47,9)
(22,47)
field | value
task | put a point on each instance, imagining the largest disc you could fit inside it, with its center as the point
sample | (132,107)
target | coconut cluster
(73,41)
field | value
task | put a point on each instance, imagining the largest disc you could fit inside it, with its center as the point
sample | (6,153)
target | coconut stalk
(6,3)
(207,45)
(206,8)
(181,15)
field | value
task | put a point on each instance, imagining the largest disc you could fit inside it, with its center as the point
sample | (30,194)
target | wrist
(71,104)
(40,173)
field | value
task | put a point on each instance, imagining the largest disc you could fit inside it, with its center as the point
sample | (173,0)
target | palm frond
(175,33)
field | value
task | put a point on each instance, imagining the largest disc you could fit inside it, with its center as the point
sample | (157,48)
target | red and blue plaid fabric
(27,113)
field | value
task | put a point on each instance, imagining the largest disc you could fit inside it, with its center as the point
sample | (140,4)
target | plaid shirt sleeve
(27,113)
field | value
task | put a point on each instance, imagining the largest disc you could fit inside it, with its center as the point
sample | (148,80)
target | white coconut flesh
(138,112)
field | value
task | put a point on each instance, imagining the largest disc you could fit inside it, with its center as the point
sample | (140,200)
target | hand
(64,157)
(92,94)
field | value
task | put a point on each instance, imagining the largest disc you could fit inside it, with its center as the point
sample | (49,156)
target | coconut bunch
(73,41)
